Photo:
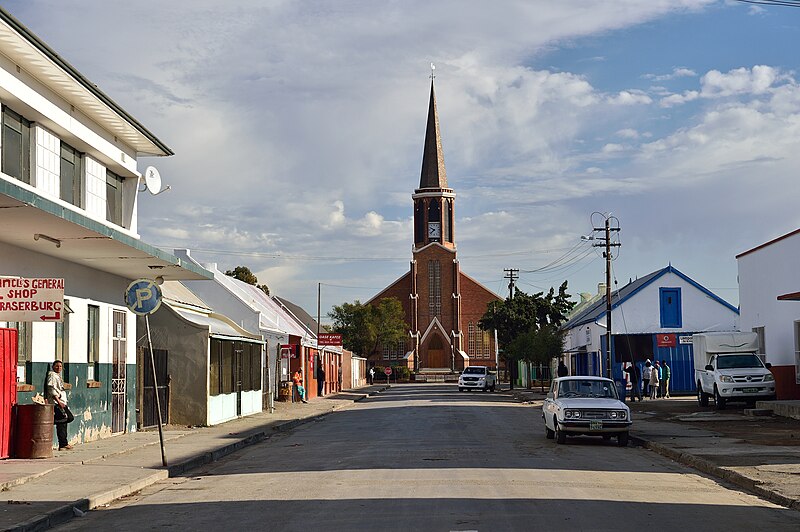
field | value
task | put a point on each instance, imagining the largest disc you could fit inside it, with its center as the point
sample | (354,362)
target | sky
(298,129)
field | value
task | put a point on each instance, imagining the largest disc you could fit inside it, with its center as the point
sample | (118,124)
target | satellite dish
(152,180)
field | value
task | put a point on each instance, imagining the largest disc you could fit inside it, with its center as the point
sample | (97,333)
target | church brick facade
(442,305)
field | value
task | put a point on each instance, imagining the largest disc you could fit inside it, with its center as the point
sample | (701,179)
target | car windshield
(586,388)
(474,371)
(748,360)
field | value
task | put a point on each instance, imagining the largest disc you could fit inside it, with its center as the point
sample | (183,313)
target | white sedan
(585,406)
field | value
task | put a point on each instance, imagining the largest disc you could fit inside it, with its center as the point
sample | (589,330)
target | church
(442,304)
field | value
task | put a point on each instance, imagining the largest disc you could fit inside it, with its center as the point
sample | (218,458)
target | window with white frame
(16,146)
(24,351)
(71,175)
(62,337)
(114,198)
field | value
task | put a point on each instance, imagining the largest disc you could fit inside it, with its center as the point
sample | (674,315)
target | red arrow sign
(51,318)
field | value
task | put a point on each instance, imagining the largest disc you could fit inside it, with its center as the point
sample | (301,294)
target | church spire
(433,172)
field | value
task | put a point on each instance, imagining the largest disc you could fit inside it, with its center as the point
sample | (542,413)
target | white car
(477,378)
(585,406)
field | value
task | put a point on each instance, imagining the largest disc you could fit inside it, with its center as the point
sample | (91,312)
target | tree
(244,274)
(367,328)
(525,314)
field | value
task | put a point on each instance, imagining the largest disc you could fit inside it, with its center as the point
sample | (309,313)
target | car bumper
(733,391)
(471,384)
(584,427)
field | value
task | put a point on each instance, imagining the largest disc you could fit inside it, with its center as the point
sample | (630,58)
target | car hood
(589,403)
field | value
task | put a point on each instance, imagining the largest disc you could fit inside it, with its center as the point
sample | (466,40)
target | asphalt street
(427,457)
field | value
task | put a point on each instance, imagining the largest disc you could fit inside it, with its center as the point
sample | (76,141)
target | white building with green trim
(69,185)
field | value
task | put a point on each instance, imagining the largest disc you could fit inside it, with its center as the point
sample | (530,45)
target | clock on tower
(434,230)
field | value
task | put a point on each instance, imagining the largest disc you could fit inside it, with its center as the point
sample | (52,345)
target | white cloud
(677,72)
(628,133)
(738,81)
(630,97)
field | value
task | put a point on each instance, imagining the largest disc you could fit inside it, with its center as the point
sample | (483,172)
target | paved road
(426,457)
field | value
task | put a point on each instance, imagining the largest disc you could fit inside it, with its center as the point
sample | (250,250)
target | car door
(549,406)
(708,376)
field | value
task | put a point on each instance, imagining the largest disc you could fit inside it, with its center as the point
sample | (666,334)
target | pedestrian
(297,378)
(654,381)
(633,376)
(62,416)
(563,371)
(665,380)
(320,380)
(657,369)
(371,376)
(646,371)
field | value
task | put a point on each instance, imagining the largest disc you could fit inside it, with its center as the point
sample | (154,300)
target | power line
(785,3)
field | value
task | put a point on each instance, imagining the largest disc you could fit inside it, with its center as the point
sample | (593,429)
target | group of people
(654,377)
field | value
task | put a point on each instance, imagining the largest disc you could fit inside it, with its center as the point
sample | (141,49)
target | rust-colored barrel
(34,434)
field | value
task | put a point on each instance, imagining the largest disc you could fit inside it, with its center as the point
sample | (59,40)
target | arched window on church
(434,212)
(434,288)
(471,340)
(419,222)
(447,221)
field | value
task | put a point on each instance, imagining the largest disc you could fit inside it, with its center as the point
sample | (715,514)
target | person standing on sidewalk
(646,371)
(654,381)
(320,380)
(563,371)
(297,378)
(634,377)
(665,382)
(54,385)
(371,376)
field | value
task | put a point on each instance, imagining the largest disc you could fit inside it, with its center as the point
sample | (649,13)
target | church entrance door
(437,354)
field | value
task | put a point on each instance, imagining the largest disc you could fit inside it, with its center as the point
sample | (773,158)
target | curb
(706,466)
(64,513)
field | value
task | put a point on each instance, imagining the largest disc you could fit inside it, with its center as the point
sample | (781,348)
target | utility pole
(606,242)
(512,275)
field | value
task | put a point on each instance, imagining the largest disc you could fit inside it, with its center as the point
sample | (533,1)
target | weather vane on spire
(433,68)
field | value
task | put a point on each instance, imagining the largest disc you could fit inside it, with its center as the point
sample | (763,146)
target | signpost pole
(155,391)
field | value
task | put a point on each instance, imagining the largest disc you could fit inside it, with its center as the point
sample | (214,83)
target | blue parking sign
(143,296)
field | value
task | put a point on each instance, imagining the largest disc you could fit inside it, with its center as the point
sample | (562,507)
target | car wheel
(702,398)
(548,433)
(622,439)
(493,386)
(485,388)
(560,435)
(719,402)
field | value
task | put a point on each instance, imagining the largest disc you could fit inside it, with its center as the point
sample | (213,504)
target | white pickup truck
(477,378)
(728,368)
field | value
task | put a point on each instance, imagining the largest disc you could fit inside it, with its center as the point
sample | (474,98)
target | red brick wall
(474,300)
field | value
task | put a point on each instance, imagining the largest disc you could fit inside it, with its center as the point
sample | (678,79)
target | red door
(8,386)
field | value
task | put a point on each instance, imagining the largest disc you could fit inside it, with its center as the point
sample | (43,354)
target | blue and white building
(652,318)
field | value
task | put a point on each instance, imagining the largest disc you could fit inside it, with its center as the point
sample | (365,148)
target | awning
(217,328)
(31,221)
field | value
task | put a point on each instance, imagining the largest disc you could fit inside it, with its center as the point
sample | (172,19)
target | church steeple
(433,172)
(433,200)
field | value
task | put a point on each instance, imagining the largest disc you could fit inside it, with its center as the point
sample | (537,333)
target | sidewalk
(43,493)
(759,454)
